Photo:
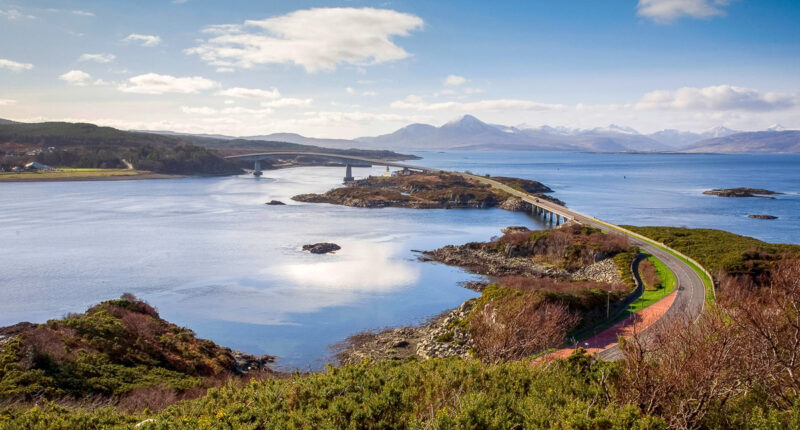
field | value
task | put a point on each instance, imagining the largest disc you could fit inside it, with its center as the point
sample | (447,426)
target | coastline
(135,177)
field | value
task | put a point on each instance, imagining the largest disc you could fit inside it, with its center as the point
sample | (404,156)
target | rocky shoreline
(444,336)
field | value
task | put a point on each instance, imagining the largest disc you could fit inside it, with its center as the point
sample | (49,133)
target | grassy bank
(71,173)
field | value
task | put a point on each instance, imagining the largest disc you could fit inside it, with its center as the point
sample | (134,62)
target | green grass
(707,282)
(70,173)
(649,297)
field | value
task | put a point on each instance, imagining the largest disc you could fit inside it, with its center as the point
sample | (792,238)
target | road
(690,298)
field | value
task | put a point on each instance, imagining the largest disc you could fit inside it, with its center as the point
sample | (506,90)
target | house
(37,166)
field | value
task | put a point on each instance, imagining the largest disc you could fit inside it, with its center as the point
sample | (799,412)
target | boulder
(321,248)
(275,203)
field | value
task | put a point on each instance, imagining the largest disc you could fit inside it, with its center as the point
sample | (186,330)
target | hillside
(80,145)
(114,349)
(83,145)
(751,142)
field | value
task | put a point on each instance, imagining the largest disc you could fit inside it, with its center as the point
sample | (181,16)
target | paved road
(690,297)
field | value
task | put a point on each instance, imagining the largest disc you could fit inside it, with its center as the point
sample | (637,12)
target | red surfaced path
(625,328)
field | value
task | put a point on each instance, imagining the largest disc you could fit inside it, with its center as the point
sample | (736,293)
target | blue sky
(351,68)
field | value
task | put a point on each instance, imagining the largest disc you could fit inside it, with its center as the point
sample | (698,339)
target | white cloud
(98,58)
(75,77)
(454,80)
(82,13)
(418,103)
(14,66)
(6,102)
(249,93)
(237,110)
(719,98)
(316,39)
(287,102)
(145,39)
(350,90)
(370,93)
(204,110)
(348,118)
(669,10)
(15,14)
(153,83)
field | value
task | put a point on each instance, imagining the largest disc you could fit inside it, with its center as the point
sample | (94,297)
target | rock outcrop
(741,192)
(762,216)
(321,248)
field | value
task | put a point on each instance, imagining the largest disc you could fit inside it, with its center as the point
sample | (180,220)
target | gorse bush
(112,349)
(441,393)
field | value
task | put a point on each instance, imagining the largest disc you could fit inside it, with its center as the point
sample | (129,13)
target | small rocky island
(275,203)
(762,216)
(429,191)
(741,192)
(321,248)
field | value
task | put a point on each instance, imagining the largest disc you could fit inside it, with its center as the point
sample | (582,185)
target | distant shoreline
(145,176)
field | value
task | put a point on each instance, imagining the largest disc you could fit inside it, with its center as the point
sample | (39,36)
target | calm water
(211,256)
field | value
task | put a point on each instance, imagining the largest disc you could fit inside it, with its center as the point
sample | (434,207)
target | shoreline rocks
(321,248)
(444,336)
(275,203)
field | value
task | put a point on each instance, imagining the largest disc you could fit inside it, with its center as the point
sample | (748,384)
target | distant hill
(470,133)
(274,137)
(787,141)
(89,146)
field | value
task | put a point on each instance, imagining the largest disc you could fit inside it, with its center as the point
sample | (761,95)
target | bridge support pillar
(558,219)
(348,174)
(257,169)
(551,217)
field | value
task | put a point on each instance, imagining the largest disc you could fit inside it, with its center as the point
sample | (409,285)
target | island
(741,192)
(419,190)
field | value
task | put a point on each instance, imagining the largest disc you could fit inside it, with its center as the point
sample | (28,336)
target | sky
(343,69)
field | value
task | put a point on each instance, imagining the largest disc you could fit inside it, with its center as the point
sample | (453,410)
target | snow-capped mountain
(471,133)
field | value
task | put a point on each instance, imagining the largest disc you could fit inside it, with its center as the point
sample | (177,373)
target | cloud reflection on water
(359,271)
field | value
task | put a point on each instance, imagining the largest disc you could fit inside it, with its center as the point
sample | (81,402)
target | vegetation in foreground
(737,367)
(118,349)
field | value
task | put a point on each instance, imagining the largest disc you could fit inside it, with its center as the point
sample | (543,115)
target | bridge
(691,292)
(347,159)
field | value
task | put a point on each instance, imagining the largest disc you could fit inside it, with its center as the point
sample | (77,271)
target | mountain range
(470,133)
